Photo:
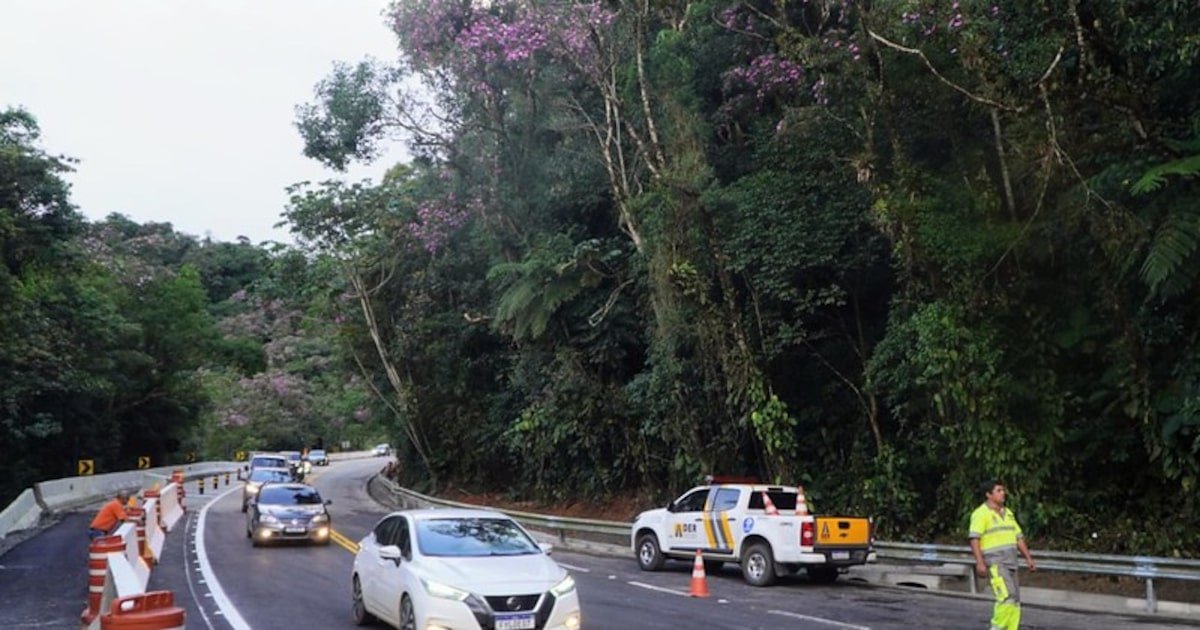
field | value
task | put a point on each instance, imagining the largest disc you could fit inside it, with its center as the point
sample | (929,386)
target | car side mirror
(546,548)
(391,552)
(672,507)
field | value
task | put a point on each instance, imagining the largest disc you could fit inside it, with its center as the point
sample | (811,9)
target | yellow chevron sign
(86,467)
(143,462)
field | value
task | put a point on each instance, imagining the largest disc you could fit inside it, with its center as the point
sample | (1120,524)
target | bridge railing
(1148,568)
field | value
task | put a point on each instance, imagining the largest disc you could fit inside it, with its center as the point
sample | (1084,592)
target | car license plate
(840,555)
(294,530)
(515,622)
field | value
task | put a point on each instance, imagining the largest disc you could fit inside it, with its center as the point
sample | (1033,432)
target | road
(226,584)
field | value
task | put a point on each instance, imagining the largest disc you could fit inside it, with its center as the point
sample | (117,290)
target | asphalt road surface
(227,584)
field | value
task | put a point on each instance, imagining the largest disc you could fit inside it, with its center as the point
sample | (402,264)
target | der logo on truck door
(684,528)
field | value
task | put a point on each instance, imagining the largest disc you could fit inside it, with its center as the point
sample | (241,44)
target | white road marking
(574,568)
(188,574)
(658,588)
(828,622)
(231,613)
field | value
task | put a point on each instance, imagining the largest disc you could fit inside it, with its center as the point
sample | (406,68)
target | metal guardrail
(1148,568)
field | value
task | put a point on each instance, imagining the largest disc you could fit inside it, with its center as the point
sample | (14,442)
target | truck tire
(758,565)
(822,574)
(650,557)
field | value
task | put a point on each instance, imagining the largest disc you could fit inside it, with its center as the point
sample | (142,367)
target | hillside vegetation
(884,249)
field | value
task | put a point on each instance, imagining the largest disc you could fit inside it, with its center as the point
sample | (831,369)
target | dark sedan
(288,511)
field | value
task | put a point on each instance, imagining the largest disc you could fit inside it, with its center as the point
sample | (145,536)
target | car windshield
(289,495)
(268,462)
(293,456)
(473,537)
(312,454)
(266,474)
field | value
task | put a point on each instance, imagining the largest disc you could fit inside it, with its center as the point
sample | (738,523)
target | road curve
(303,586)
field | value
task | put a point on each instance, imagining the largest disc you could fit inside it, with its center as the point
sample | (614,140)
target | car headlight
(251,488)
(437,589)
(565,586)
(320,518)
(267,518)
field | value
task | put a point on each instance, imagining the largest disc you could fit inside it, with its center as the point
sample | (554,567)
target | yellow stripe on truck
(725,526)
(708,530)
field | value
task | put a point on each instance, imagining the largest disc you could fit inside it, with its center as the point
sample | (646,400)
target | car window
(316,453)
(384,530)
(289,495)
(692,501)
(268,462)
(781,500)
(473,537)
(726,499)
(266,474)
(401,537)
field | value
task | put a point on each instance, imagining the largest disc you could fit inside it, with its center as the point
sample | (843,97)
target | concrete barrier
(141,570)
(172,511)
(22,513)
(155,536)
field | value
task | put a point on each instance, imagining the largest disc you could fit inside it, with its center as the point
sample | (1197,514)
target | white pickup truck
(729,522)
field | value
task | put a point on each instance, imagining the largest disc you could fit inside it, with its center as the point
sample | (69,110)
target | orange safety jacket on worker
(111,514)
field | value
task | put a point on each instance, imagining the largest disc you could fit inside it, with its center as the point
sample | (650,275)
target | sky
(182,111)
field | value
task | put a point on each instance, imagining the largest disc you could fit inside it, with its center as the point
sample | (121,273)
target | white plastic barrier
(128,531)
(22,513)
(172,511)
(122,578)
(155,536)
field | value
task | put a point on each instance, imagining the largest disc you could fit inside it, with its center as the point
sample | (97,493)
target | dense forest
(884,249)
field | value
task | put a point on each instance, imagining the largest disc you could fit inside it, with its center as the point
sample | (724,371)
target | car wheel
(359,607)
(408,616)
(822,575)
(758,565)
(650,556)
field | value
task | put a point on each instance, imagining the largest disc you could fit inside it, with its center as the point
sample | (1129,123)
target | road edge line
(232,616)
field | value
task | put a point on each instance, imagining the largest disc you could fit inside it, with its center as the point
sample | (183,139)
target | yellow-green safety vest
(994,531)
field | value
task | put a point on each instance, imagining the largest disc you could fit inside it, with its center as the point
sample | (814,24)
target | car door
(395,579)
(721,529)
(371,567)
(685,521)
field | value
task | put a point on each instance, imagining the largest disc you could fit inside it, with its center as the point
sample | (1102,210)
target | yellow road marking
(342,541)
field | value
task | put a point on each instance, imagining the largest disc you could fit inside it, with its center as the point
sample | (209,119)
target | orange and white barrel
(97,570)
(148,611)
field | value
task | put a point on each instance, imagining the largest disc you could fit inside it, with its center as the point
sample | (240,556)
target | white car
(458,568)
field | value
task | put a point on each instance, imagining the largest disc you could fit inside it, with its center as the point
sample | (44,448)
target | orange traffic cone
(769,505)
(699,580)
(801,502)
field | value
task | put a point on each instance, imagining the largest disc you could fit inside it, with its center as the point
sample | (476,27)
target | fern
(1165,269)
(1156,178)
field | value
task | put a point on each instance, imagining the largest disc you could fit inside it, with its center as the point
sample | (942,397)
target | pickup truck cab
(734,523)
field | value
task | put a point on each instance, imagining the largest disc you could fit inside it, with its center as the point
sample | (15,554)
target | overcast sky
(181,110)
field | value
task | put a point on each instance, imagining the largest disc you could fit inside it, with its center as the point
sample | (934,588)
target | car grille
(512,603)
(541,606)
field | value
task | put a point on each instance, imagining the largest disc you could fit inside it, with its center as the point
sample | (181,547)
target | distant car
(288,511)
(382,449)
(317,457)
(264,460)
(457,568)
(295,461)
(258,477)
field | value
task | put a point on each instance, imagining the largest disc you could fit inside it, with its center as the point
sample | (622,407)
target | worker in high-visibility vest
(996,538)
